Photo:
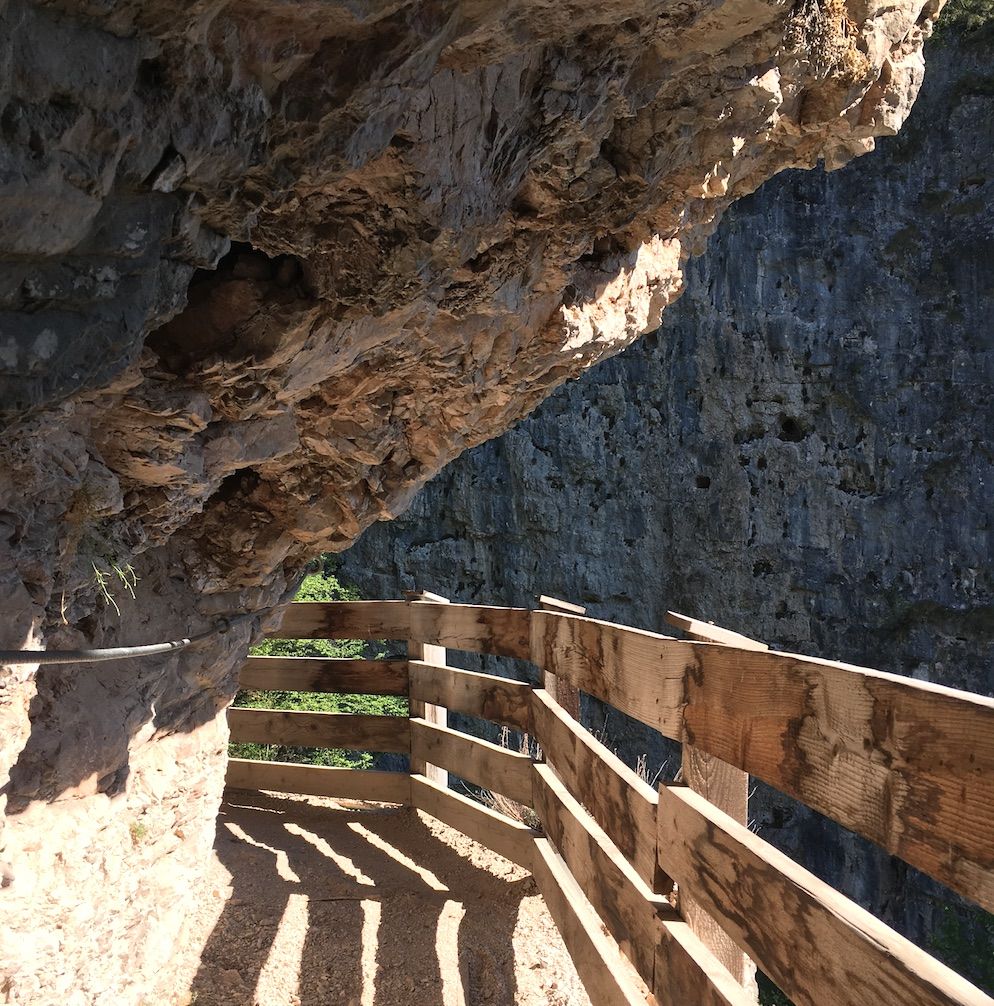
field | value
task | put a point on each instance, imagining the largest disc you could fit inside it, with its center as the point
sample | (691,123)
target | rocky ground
(310,902)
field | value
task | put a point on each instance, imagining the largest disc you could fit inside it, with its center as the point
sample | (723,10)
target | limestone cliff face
(802,452)
(265,267)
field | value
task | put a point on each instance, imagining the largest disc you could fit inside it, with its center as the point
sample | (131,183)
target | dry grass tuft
(504,805)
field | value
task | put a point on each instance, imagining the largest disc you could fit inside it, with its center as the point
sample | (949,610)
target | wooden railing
(904,763)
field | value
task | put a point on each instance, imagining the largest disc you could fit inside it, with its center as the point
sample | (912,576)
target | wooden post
(418,650)
(728,789)
(567,695)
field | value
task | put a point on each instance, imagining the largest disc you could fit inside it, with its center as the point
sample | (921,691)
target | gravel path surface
(318,903)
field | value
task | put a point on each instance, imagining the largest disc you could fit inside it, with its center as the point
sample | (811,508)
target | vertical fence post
(728,789)
(567,695)
(419,650)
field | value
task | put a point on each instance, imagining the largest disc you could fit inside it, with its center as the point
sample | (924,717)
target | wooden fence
(908,765)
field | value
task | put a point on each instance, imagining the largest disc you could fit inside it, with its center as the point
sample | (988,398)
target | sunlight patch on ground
(395,854)
(283,867)
(447,940)
(282,967)
(346,865)
(371,911)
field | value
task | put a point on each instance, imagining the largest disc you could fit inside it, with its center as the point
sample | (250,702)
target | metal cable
(223,624)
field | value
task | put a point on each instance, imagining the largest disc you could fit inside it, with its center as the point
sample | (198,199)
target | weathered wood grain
(609,978)
(907,764)
(320,730)
(563,691)
(818,946)
(728,789)
(325,674)
(508,838)
(316,780)
(419,649)
(688,972)
(640,673)
(619,801)
(478,761)
(479,628)
(344,620)
(620,897)
(485,695)
(671,960)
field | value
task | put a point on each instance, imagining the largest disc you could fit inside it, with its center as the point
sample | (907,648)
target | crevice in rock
(223,304)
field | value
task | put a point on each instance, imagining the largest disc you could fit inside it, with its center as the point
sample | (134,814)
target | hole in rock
(229,308)
(791,430)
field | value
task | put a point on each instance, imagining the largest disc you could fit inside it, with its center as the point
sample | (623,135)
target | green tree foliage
(966,15)
(321,585)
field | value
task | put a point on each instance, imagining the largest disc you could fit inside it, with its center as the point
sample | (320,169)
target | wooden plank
(818,946)
(907,764)
(344,620)
(608,977)
(478,761)
(485,695)
(687,972)
(508,838)
(325,674)
(619,801)
(320,730)
(664,951)
(728,789)
(479,628)
(620,897)
(418,649)
(640,673)
(556,604)
(708,632)
(565,693)
(317,780)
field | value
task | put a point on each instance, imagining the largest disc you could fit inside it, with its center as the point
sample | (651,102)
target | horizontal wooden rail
(321,730)
(907,764)
(345,620)
(317,780)
(609,978)
(508,838)
(482,629)
(619,801)
(484,695)
(621,898)
(477,761)
(816,944)
(649,931)
(325,674)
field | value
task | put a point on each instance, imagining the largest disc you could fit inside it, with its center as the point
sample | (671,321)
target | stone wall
(802,452)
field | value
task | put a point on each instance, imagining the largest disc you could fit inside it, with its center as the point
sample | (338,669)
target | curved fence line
(907,764)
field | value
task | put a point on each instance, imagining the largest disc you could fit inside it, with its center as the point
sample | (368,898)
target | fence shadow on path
(358,907)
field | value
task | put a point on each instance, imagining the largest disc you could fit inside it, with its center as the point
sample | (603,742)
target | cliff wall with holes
(801,452)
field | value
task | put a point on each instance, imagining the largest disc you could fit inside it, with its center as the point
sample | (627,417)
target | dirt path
(314,903)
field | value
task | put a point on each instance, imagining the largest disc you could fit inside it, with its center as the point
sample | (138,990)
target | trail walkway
(319,903)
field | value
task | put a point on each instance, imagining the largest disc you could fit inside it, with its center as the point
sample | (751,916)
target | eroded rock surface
(802,453)
(265,267)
